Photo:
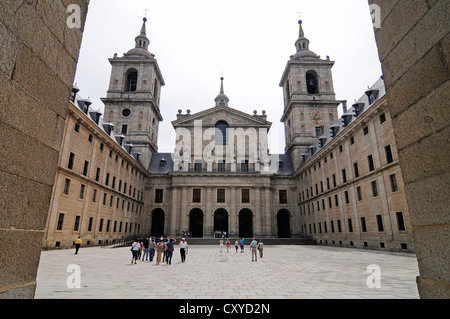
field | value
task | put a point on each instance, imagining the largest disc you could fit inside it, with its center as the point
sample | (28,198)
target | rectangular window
(318,131)
(334,180)
(66,187)
(221,195)
(76,226)
(102,147)
(332,226)
(244,166)
(355,168)
(350,226)
(283,196)
(198,167)
(347,200)
(86,168)
(358,192)
(82,188)
(363,225)
(374,189)
(221,167)
(344,176)
(91,221)
(382,118)
(389,158)
(59,226)
(71,161)
(370,160)
(380,223)
(108,224)
(90,138)
(77,128)
(107,179)
(366,130)
(97,175)
(111,200)
(329,202)
(339,226)
(400,221)
(104,198)
(124,129)
(100,227)
(394,185)
(196,195)
(336,201)
(246,196)
(159,195)
(352,140)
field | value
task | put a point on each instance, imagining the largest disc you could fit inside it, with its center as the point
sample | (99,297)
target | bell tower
(132,100)
(310,104)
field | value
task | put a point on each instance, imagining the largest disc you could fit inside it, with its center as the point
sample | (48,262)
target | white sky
(248,41)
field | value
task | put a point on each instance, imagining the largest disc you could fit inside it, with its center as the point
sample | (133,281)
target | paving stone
(286,272)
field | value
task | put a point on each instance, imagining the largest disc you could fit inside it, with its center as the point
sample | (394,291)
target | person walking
(253,246)
(183,249)
(236,245)
(145,247)
(242,244)
(77,245)
(151,249)
(169,251)
(228,245)
(260,248)
(135,250)
(159,251)
(221,245)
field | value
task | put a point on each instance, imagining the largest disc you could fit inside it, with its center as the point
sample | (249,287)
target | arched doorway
(246,223)
(284,226)
(158,217)
(196,223)
(221,220)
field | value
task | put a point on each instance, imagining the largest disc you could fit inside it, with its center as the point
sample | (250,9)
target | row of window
(374,187)
(130,205)
(102,148)
(370,162)
(131,190)
(197,195)
(338,227)
(117,228)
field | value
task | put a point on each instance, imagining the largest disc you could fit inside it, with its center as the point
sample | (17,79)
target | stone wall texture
(414,49)
(38,58)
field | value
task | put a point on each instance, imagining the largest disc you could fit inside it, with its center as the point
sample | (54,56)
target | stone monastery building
(339,181)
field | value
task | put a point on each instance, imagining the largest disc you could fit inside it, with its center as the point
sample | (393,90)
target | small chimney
(344,106)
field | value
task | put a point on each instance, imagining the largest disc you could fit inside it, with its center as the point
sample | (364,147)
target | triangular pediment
(233,117)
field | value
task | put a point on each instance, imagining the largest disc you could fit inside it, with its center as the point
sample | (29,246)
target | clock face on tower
(316,115)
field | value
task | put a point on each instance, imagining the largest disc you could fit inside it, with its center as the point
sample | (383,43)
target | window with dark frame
(196,195)
(59,226)
(221,195)
(245,196)
(283,196)
(159,195)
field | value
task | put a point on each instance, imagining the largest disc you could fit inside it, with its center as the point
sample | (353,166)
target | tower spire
(302,42)
(221,99)
(142,41)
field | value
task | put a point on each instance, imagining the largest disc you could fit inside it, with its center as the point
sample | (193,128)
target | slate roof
(357,109)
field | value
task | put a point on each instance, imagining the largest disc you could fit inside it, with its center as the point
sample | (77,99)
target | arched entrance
(246,223)
(221,220)
(158,217)
(196,222)
(284,225)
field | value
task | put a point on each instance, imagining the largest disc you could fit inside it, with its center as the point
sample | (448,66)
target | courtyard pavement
(285,272)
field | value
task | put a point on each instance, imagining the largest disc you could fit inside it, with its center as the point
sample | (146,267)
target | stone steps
(266,241)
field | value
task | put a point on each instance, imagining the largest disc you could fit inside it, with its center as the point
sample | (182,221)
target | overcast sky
(248,42)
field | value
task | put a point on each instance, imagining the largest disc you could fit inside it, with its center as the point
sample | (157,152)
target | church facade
(221,175)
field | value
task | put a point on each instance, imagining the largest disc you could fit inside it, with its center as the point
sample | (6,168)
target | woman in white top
(135,251)
(183,249)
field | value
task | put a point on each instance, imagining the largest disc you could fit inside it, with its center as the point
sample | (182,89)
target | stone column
(234,220)
(268,211)
(258,213)
(173,212)
(413,43)
(38,58)
(184,225)
(208,227)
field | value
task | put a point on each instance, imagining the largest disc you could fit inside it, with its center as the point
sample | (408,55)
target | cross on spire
(146,10)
